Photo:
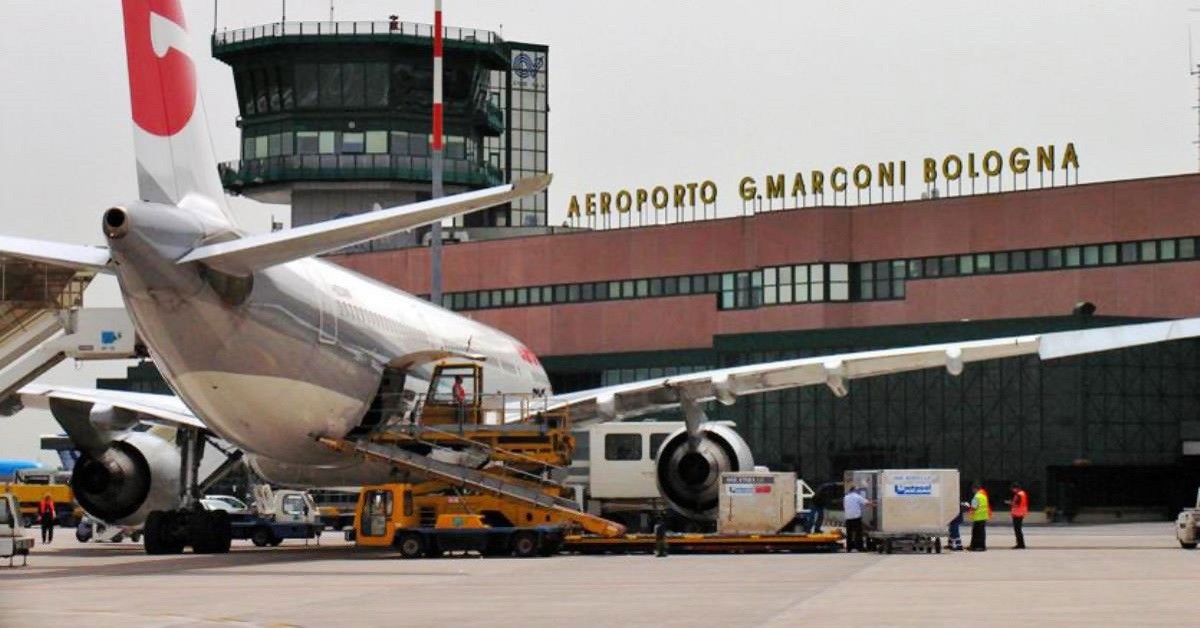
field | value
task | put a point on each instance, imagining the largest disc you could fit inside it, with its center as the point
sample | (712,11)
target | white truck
(13,540)
(1187,525)
(277,515)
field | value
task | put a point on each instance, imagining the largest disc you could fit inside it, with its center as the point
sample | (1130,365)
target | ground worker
(47,516)
(459,393)
(852,509)
(979,513)
(1020,507)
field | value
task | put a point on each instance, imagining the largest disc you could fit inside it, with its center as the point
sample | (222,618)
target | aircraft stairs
(42,323)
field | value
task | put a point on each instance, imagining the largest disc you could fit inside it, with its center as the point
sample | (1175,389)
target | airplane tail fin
(175,161)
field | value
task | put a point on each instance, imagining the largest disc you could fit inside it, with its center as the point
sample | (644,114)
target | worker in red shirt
(1020,507)
(459,394)
(47,516)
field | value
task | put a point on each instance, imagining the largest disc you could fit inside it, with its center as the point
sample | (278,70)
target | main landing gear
(205,531)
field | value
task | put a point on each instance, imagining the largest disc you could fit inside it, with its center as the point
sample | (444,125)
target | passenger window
(5,515)
(656,441)
(623,447)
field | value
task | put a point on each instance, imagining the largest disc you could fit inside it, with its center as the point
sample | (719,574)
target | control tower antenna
(435,247)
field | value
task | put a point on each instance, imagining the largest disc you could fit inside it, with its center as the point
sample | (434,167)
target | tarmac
(1082,575)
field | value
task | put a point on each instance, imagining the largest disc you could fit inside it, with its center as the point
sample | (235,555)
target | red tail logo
(162,90)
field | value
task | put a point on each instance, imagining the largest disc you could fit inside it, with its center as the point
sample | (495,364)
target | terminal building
(334,120)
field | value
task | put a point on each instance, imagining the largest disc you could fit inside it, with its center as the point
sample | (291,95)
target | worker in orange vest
(1020,507)
(46,514)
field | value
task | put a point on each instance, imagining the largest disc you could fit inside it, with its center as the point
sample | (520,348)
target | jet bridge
(42,322)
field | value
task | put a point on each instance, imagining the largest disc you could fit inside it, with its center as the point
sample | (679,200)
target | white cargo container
(908,501)
(756,502)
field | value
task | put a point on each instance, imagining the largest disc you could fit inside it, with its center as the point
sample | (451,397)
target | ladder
(476,480)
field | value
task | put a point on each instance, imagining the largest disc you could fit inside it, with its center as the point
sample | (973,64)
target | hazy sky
(646,93)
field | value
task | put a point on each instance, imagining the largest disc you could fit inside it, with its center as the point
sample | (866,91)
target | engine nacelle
(690,481)
(139,472)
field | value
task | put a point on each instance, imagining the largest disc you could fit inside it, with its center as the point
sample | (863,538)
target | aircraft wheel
(411,545)
(159,535)
(83,533)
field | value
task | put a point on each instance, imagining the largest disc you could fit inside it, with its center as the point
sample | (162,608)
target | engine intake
(690,480)
(138,473)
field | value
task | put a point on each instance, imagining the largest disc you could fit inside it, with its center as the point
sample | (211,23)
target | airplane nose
(116,223)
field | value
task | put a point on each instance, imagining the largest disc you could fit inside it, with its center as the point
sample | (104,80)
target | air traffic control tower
(336,120)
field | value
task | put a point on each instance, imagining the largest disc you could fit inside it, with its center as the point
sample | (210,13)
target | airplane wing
(161,410)
(835,371)
(76,256)
(245,255)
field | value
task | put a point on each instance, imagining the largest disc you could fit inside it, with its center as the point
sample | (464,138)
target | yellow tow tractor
(416,524)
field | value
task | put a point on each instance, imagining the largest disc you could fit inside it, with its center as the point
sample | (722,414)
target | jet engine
(689,478)
(139,472)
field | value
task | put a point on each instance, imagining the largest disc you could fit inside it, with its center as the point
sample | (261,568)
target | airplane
(268,347)
(9,468)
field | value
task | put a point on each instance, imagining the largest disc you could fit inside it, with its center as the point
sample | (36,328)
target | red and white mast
(435,248)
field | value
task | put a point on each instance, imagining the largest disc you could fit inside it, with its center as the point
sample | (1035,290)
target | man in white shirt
(852,508)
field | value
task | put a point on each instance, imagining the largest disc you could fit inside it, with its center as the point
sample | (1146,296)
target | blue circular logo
(527,67)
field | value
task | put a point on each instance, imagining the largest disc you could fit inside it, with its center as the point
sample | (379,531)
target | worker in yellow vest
(979,513)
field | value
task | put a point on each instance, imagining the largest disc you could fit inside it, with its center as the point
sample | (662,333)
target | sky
(644,94)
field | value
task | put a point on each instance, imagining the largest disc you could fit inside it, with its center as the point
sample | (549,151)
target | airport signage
(803,185)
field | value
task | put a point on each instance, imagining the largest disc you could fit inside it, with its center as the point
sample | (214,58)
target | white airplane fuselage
(294,351)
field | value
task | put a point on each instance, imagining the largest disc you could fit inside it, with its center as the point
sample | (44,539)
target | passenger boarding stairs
(42,322)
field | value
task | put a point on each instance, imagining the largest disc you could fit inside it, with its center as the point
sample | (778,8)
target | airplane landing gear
(205,531)
(169,531)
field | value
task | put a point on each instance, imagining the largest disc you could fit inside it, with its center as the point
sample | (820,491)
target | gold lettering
(930,170)
(747,189)
(659,197)
(692,193)
(775,186)
(833,179)
(605,202)
(573,208)
(904,173)
(992,163)
(680,192)
(1045,158)
(818,182)
(887,173)
(708,192)
(1018,160)
(971,171)
(589,203)
(798,185)
(641,199)
(624,201)
(862,176)
(1069,157)
(957,163)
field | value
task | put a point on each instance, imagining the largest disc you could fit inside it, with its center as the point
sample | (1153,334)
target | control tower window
(331,84)
(306,85)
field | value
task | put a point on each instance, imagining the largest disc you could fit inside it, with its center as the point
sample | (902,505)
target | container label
(748,479)
(735,489)
(922,490)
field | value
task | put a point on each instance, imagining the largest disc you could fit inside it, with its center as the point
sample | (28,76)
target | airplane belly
(273,416)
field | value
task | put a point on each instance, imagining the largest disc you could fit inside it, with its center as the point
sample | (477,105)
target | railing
(236,174)
(393,28)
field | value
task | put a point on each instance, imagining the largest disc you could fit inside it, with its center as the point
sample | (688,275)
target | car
(234,502)
(209,503)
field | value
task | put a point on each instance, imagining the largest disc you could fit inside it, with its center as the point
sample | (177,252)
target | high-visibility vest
(981,512)
(1020,504)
